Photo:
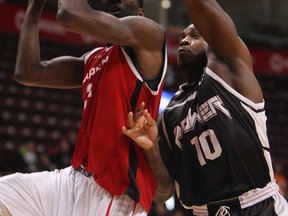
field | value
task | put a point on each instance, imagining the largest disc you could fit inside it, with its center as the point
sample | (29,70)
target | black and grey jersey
(213,141)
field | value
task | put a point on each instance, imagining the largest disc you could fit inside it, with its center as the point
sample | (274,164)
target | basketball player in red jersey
(212,135)
(109,174)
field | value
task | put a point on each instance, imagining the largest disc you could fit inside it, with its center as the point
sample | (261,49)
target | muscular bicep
(61,72)
(106,28)
(141,35)
(78,16)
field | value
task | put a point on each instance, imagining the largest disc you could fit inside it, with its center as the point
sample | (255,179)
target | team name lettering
(96,69)
(203,113)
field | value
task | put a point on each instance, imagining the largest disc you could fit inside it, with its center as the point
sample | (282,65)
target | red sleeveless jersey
(112,87)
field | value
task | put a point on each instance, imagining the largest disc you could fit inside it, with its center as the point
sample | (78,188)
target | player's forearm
(165,184)
(79,17)
(28,55)
(201,11)
(72,14)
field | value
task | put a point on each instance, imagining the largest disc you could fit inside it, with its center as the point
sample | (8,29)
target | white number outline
(89,93)
(203,150)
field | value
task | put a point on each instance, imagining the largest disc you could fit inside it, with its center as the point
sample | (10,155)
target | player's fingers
(130,120)
(140,108)
(149,119)
(126,131)
(138,117)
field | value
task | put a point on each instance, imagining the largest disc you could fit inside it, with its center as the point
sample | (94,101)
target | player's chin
(183,61)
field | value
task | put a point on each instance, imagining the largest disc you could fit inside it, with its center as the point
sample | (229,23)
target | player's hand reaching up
(141,128)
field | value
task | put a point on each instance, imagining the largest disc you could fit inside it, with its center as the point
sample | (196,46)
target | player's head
(122,8)
(192,49)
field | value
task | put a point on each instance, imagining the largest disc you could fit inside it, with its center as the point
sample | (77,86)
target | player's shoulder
(92,53)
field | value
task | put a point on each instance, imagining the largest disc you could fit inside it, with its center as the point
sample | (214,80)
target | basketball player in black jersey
(212,135)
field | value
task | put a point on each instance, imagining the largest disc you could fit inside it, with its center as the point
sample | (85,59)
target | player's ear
(141,12)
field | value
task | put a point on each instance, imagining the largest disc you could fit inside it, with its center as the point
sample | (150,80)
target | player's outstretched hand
(141,128)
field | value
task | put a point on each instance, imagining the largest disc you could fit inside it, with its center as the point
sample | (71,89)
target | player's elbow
(25,76)
(64,17)
(23,79)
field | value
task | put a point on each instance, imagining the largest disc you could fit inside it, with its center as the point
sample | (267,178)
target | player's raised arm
(216,27)
(62,72)
(115,25)
(228,56)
